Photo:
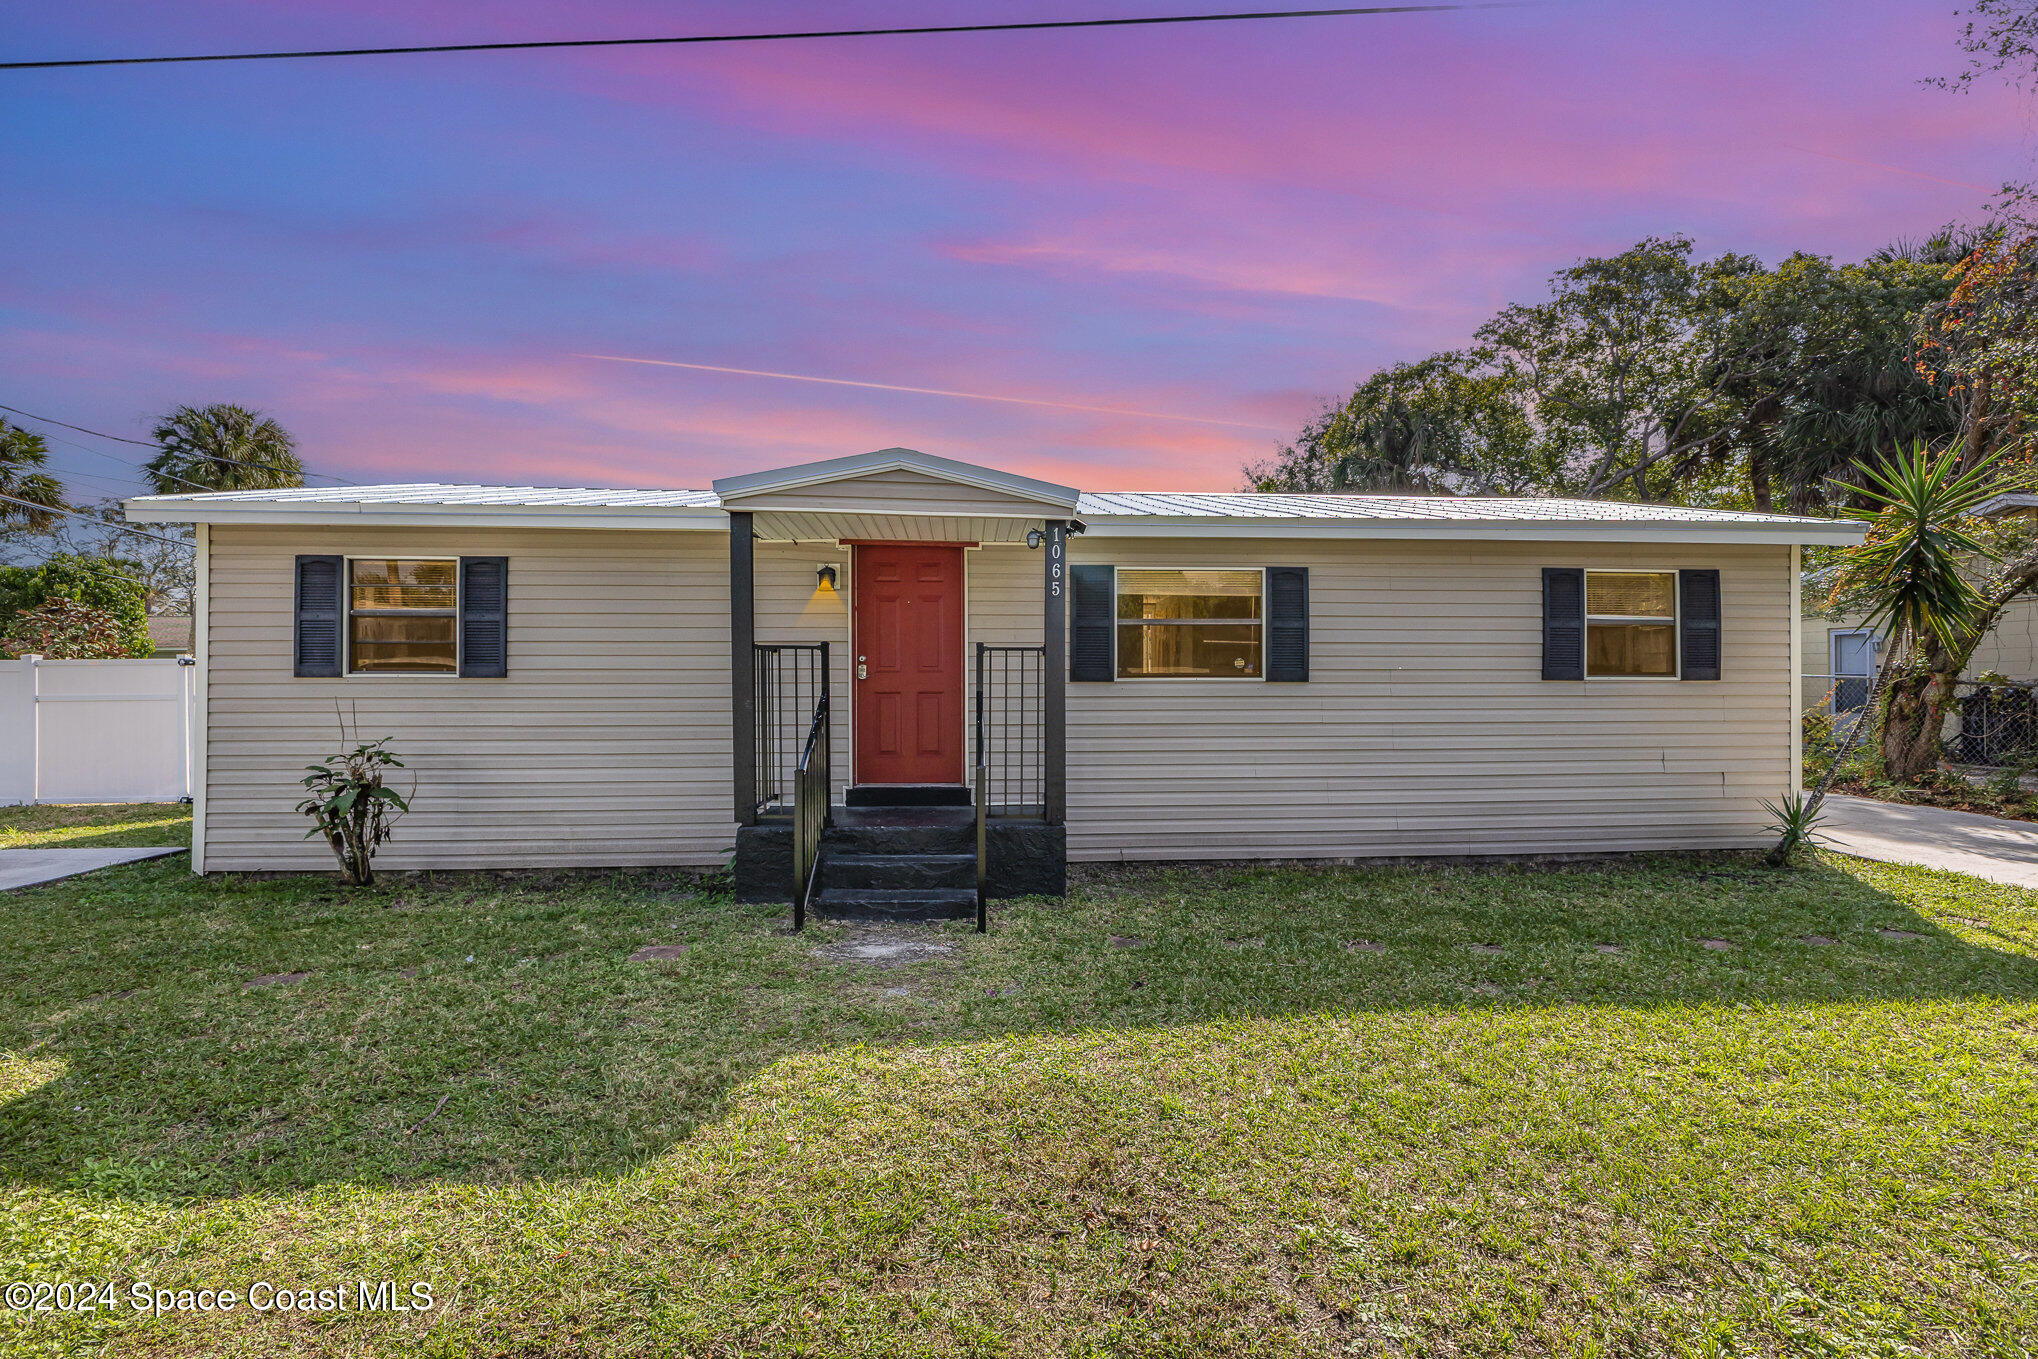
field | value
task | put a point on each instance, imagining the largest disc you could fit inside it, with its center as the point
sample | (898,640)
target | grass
(1178,1115)
(111,825)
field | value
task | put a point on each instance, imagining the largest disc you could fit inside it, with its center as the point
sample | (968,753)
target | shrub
(101,582)
(65,630)
(352,807)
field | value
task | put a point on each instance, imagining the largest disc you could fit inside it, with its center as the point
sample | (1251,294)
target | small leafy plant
(352,805)
(1796,825)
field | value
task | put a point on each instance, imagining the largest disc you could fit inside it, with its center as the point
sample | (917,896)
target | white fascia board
(667,518)
(894,460)
(1840,533)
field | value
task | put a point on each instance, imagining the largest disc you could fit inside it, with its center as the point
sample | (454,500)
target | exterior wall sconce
(825,576)
(1033,538)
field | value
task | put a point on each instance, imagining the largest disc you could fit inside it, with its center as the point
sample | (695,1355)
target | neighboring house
(170,634)
(1840,655)
(604,678)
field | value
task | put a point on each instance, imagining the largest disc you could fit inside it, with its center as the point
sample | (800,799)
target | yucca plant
(1911,574)
(1796,825)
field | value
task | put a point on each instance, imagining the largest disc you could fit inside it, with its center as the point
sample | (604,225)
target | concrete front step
(899,870)
(881,903)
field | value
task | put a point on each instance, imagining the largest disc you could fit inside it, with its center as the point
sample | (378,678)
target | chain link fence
(1997,725)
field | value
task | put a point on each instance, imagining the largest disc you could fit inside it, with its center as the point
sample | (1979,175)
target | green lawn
(1178,1115)
(109,825)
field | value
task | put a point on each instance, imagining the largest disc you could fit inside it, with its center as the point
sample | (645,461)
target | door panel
(908,602)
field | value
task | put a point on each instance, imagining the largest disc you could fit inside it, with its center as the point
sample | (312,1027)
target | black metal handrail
(788,680)
(811,786)
(1011,728)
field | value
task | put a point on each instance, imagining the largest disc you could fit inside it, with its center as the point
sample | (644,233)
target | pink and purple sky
(1163,248)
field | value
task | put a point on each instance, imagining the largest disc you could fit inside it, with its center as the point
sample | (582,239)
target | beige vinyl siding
(607,745)
(900,490)
(2010,648)
(1425,727)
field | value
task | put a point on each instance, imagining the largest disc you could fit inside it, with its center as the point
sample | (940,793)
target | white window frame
(347,617)
(1676,620)
(1261,675)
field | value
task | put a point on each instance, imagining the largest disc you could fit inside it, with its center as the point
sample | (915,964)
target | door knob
(862,670)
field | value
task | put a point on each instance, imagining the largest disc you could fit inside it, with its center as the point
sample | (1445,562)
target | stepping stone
(1488,949)
(1820,940)
(1127,941)
(1001,992)
(276,979)
(1608,948)
(1244,943)
(1364,946)
(884,951)
(1489,989)
(1718,945)
(408,972)
(655,953)
(897,991)
(1899,934)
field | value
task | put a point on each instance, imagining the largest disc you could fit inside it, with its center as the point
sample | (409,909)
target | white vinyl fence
(96,731)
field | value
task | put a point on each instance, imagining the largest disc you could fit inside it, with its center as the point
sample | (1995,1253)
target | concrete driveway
(1984,846)
(28,867)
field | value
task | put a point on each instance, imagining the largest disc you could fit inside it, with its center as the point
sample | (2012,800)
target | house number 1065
(1055,541)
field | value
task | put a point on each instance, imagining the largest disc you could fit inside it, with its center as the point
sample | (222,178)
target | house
(1840,652)
(170,634)
(597,678)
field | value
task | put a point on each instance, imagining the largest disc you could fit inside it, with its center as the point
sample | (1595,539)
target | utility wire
(1033,26)
(123,528)
(209,457)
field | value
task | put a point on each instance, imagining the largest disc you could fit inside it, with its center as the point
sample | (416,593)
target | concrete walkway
(27,867)
(1989,847)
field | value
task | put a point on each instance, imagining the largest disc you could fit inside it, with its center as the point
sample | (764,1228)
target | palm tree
(22,455)
(222,448)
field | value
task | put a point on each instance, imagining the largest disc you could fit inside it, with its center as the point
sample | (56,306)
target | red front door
(908,601)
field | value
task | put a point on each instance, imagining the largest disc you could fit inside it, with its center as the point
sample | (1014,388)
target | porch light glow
(825,576)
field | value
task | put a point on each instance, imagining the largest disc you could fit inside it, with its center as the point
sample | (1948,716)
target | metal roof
(1272,505)
(1111,513)
(438,493)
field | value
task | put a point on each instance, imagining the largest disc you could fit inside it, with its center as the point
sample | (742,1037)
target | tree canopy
(23,455)
(1653,375)
(222,448)
(103,583)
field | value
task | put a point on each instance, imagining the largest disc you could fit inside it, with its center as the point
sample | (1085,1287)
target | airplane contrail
(935,391)
(1878,165)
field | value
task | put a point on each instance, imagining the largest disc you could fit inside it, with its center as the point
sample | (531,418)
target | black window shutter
(1093,598)
(1698,615)
(1288,624)
(484,617)
(321,596)
(1563,623)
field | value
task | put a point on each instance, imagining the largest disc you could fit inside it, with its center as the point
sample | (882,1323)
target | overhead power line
(209,457)
(123,528)
(1034,26)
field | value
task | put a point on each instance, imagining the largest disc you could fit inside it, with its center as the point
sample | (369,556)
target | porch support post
(1055,700)
(742,663)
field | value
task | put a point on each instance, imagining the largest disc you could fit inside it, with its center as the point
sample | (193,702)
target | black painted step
(901,830)
(879,903)
(908,795)
(900,870)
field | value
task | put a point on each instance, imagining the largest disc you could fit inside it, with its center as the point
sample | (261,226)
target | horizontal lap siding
(1425,727)
(607,745)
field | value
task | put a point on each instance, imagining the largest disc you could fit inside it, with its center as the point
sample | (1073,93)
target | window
(1189,623)
(1631,623)
(403,617)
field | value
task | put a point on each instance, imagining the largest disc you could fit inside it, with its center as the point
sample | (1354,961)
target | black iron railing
(1998,724)
(811,786)
(790,680)
(1011,729)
